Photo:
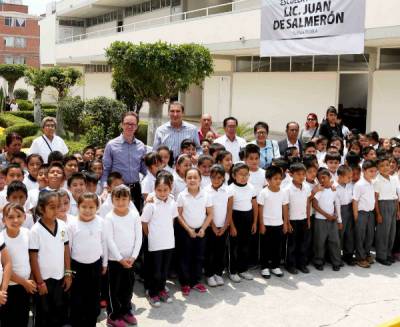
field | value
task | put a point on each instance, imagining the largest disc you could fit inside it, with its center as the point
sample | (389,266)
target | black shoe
(292,270)
(319,267)
(391,259)
(383,262)
(350,262)
(304,269)
(335,268)
(341,264)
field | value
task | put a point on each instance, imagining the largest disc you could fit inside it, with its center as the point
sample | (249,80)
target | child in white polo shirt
(195,214)
(204,164)
(216,235)
(50,263)
(183,163)
(76,187)
(124,240)
(386,206)
(252,159)
(16,311)
(273,222)
(158,224)
(364,216)
(153,164)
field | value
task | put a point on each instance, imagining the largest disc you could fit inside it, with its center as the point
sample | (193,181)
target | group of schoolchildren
(68,247)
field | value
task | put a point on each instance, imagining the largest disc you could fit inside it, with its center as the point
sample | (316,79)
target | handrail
(236,6)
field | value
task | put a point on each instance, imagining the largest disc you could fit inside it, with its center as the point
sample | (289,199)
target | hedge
(8,119)
(141,132)
(49,106)
(27,129)
(74,146)
(27,141)
(25,105)
(21,94)
(28,115)
(51,112)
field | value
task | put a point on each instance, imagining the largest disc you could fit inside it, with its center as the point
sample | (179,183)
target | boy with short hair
(386,206)
(214,149)
(327,222)
(252,159)
(364,216)
(369,153)
(76,187)
(332,161)
(188,146)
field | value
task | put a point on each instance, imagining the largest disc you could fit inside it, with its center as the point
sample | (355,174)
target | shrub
(49,112)
(27,129)
(141,132)
(71,110)
(49,106)
(75,146)
(7,120)
(25,105)
(28,115)
(21,94)
(27,141)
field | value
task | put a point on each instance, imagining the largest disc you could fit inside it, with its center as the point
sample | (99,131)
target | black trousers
(121,282)
(136,195)
(158,262)
(191,258)
(214,263)
(52,308)
(16,311)
(396,245)
(347,233)
(239,245)
(298,243)
(85,293)
(271,244)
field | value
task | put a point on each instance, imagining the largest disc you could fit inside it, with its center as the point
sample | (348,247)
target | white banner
(312,27)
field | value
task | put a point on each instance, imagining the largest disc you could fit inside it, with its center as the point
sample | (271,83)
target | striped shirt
(173,137)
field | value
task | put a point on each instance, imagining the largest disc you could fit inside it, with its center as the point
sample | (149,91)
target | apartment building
(278,89)
(19,33)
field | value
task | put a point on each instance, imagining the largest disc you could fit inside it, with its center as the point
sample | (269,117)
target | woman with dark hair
(13,145)
(330,126)
(311,129)
(269,149)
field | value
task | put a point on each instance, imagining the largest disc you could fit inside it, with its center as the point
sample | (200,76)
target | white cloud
(36,7)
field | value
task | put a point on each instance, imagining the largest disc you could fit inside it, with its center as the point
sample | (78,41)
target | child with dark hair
(204,164)
(153,163)
(76,187)
(252,159)
(33,163)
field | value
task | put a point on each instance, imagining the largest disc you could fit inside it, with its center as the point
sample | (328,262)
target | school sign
(312,27)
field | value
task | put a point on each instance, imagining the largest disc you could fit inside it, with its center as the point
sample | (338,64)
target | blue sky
(36,7)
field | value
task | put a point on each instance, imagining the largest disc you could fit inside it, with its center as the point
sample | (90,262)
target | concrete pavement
(353,297)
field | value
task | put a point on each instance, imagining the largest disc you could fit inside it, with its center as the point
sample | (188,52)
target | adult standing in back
(292,139)
(330,126)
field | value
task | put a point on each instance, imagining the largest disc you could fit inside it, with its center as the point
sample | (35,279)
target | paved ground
(353,297)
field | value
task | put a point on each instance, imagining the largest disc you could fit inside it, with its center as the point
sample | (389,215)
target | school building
(364,87)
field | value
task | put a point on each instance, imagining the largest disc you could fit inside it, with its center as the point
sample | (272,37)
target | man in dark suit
(292,139)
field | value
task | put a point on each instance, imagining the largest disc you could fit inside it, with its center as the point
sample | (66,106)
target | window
(302,64)
(243,64)
(19,60)
(97,69)
(326,63)
(390,59)
(9,60)
(155,4)
(9,41)
(20,22)
(354,62)
(280,64)
(20,42)
(8,21)
(261,64)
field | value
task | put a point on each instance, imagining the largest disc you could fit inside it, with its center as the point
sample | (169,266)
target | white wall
(100,27)
(192,100)
(48,30)
(152,14)
(381,13)
(281,97)
(98,84)
(385,103)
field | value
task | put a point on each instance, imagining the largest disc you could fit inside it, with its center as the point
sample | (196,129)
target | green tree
(12,73)
(155,72)
(71,110)
(102,119)
(126,94)
(62,79)
(38,79)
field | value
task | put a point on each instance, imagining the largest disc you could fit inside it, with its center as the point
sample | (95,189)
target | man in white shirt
(230,140)
(48,142)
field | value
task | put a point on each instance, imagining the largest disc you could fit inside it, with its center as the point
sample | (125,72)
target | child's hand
(262,229)
(3,297)
(131,261)
(201,233)
(285,229)
(192,233)
(308,224)
(333,187)
(149,199)
(233,231)
(318,188)
(30,286)
(215,229)
(254,228)
(379,219)
(104,271)
(43,289)
(340,226)
(67,282)
(221,231)
(331,217)
(125,263)
(289,228)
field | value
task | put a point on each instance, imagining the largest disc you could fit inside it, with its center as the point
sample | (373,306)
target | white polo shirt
(232,146)
(297,199)
(205,181)
(364,194)
(18,248)
(178,186)
(272,203)
(242,196)
(219,200)
(257,179)
(160,216)
(386,187)
(39,146)
(328,201)
(148,183)
(107,207)
(30,184)
(345,193)
(87,240)
(50,248)
(124,235)
(194,207)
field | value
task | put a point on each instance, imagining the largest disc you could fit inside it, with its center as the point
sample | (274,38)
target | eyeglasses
(130,124)
(50,125)
(311,119)
(261,133)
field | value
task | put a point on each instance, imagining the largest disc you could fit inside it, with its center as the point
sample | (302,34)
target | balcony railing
(236,6)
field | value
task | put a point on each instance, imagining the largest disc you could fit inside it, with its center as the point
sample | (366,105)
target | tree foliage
(12,73)
(71,110)
(62,79)
(158,71)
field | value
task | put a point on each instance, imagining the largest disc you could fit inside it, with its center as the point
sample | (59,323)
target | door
(224,97)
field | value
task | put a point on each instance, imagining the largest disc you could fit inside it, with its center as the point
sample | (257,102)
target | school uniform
(159,216)
(326,232)
(73,205)
(299,238)
(88,247)
(148,183)
(271,241)
(205,181)
(364,194)
(124,240)
(242,217)
(388,205)
(216,246)
(345,198)
(107,206)
(257,179)
(191,250)
(310,250)
(51,309)
(178,186)
(16,311)
(30,182)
